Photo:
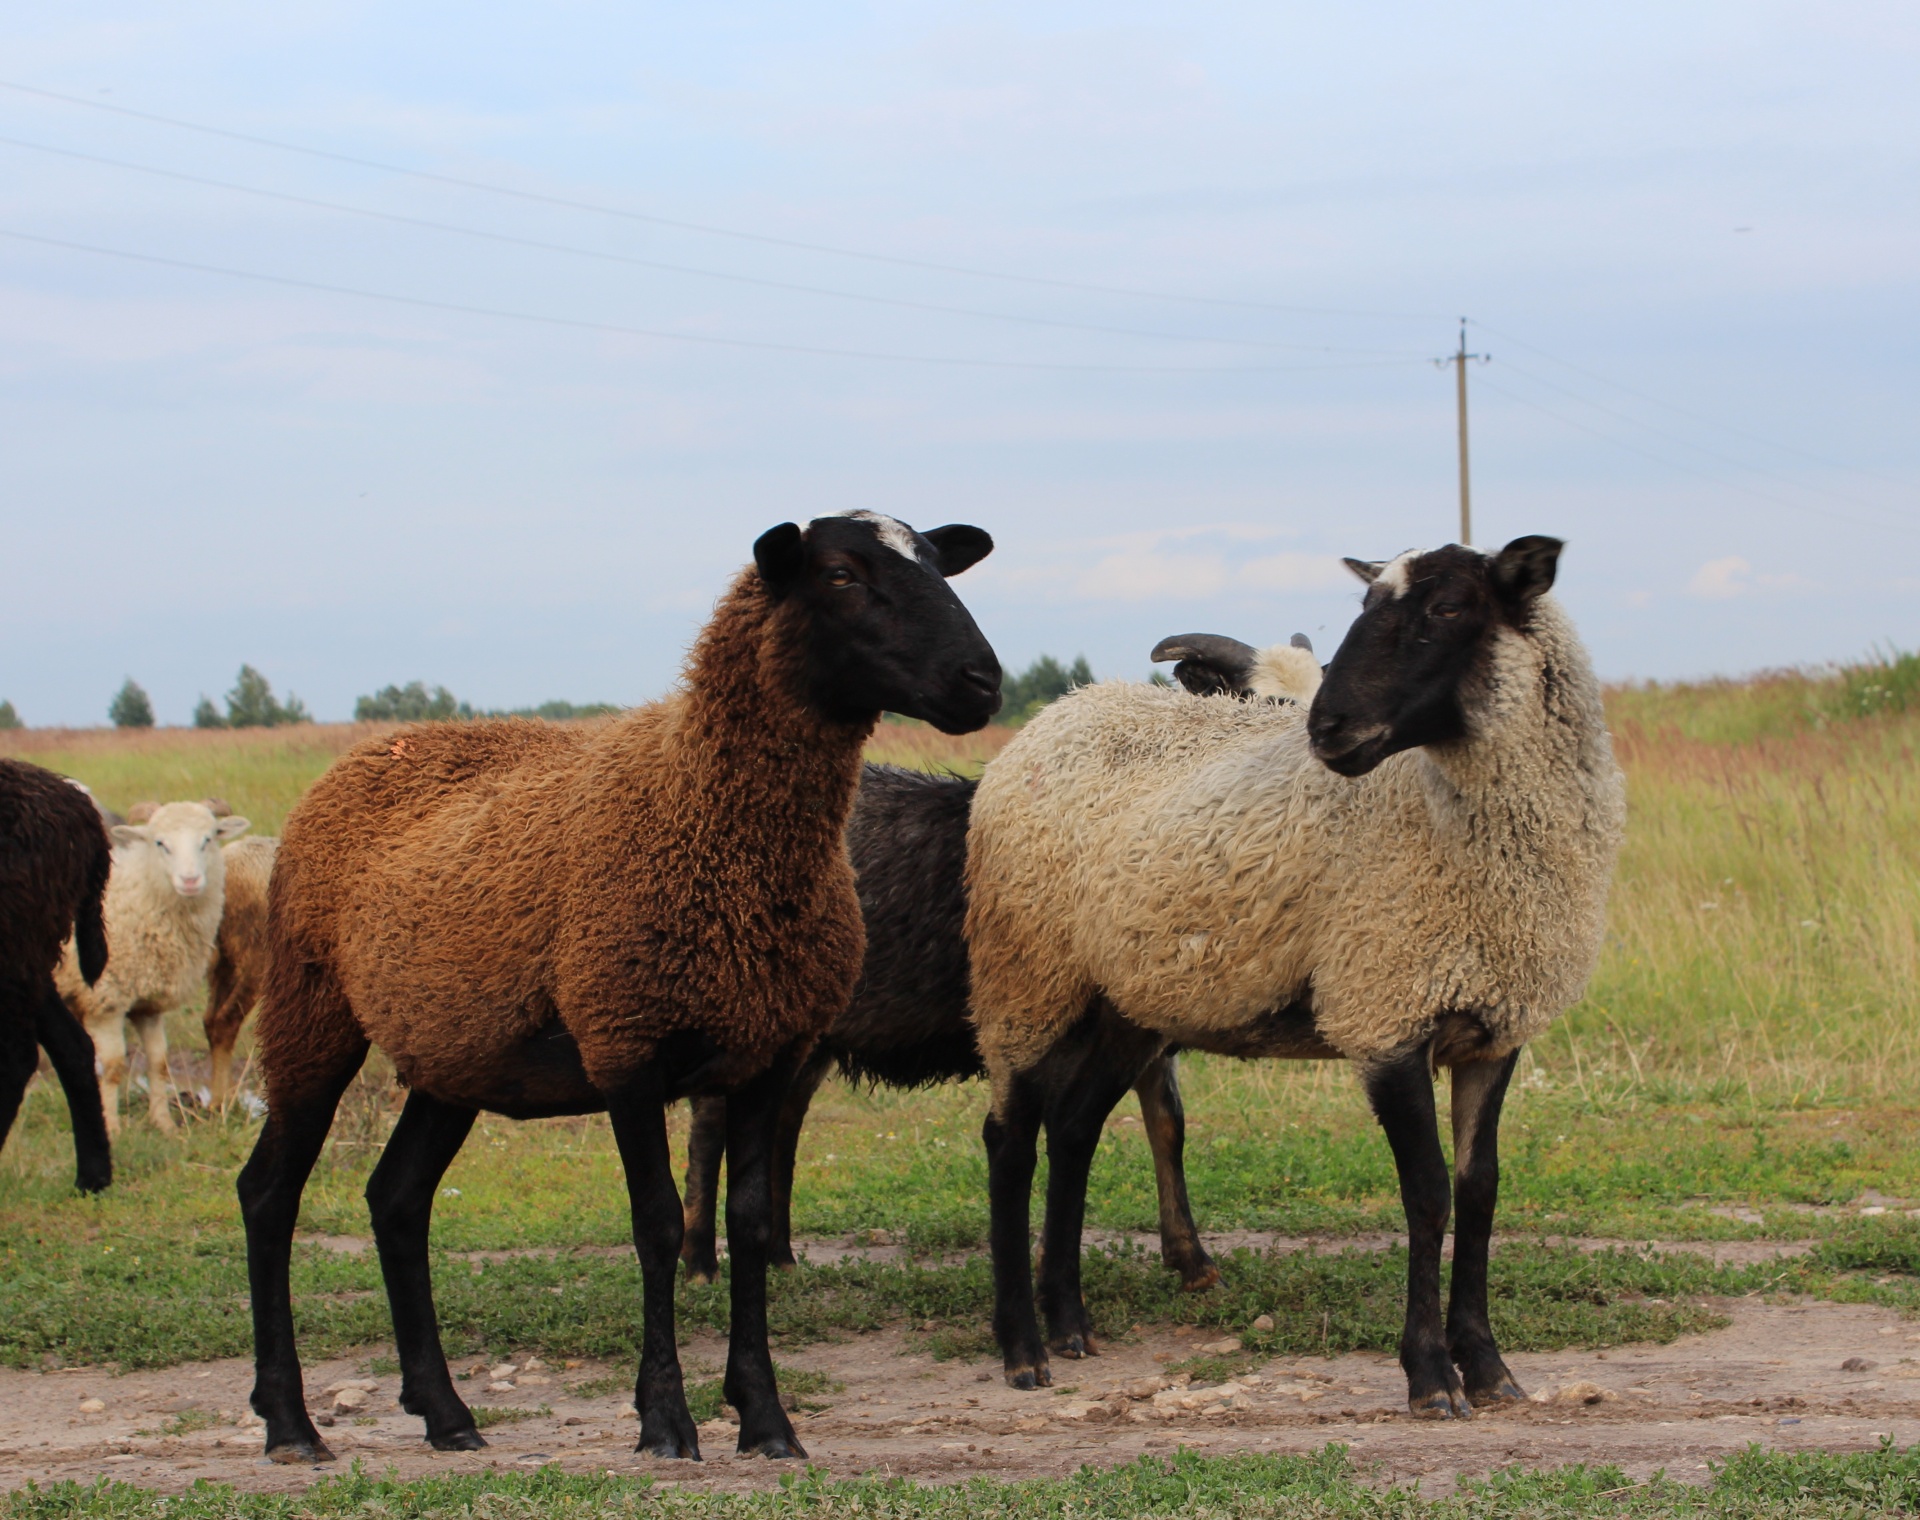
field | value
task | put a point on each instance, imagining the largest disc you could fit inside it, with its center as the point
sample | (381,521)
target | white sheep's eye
(161,844)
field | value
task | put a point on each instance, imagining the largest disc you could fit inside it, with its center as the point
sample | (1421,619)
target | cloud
(1721,580)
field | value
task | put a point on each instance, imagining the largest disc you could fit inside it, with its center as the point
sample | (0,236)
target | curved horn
(1301,641)
(1211,664)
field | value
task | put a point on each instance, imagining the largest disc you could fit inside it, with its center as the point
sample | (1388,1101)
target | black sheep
(54,861)
(907,1025)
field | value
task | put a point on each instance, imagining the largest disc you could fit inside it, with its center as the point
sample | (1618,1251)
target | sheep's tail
(89,922)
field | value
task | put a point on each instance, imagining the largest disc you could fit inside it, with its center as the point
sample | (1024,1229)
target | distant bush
(1023,695)
(130,707)
(251,704)
(558,712)
(8,717)
(1886,683)
(412,703)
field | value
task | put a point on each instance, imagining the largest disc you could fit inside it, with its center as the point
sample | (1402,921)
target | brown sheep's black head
(885,632)
(1400,676)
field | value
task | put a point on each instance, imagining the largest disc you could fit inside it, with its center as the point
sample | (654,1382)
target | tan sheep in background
(240,959)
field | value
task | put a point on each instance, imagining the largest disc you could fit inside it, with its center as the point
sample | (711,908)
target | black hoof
(1506,1391)
(300,1453)
(1198,1278)
(1441,1404)
(93,1182)
(469,1439)
(703,1273)
(1029,1377)
(671,1440)
(785,1448)
(1073,1347)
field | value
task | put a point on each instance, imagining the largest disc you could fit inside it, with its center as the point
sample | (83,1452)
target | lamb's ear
(961,546)
(131,833)
(140,812)
(781,555)
(1525,568)
(231,828)
(1367,569)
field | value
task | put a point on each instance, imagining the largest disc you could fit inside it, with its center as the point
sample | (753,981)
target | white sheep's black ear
(1525,568)
(781,556)
(961,546)
(1367,569)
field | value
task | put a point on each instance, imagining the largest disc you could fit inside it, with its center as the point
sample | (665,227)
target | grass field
(1745,1064)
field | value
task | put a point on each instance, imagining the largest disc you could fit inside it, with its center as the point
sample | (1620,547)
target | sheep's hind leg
(153,1037)
(19,1054)
(1401,1092)
(1166,1125)
(638,1112)
(400,1196)
(1011,1133)
(270,1186)
(71,1052)
(706,1148)
(753,1116)
(1479,1090)
(786,1152)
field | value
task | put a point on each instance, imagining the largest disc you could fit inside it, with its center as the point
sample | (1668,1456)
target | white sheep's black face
(184,839)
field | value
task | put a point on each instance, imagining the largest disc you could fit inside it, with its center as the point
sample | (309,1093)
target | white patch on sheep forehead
(1396,576)
(895,534)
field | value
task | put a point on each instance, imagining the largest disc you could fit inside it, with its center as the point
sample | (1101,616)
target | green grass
(1753,1484)
(487,1415)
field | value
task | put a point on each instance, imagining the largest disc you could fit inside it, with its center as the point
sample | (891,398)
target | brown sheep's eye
(839,577)
(1444,610)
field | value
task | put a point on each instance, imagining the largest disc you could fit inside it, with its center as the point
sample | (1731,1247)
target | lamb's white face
(184,839)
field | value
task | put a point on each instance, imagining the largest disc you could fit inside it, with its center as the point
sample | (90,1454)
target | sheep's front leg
(400,1197)
(1401,1092)
(1011,1134)
(753,1116)
(1479,1090)
(639,1115)
(71,1052)
(153,1037)
(1165,1119)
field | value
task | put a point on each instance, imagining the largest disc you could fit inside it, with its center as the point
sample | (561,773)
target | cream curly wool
(160,943)
(1191,860)
(1284,672)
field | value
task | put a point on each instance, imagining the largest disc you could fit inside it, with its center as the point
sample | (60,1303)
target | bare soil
(1778,1375)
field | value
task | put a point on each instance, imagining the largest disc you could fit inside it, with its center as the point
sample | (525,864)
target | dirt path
(1775,1376)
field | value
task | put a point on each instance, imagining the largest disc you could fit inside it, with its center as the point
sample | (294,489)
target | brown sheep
(538,921)
(240,957)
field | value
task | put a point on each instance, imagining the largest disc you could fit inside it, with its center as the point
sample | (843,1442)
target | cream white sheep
(1413,875)
(164,901)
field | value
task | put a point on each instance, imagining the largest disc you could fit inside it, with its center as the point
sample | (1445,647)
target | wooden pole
(1460,392)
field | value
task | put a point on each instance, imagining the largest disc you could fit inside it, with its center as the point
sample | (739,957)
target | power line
(584,325)
(541,245)
(1714,422)
(703,227)
(1674,464)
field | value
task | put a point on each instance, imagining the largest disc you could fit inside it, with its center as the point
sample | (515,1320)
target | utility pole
(1458,360)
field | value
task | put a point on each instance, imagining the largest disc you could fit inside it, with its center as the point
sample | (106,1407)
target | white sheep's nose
(189,886)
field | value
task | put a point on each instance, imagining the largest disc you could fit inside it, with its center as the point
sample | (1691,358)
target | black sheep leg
(1084,1076)
(1011,1133)
(400,1197)
(639,1117)
(1479,1090)
(1401,1092)
(706,1149)
(753,1115)
(270,1186)
(19,1053)
(71,1051)
(1166,1125)
(786,1151)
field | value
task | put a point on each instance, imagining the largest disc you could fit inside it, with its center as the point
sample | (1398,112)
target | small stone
(534,1379)
(500,1385)
(503,1371)
(1584,1392)
(323,1419)
(983,1377)
(532,1364)
(573,1419)
(1145,1388)
(347,1400)
(879,1237)
(93,1406)
(1851,1364)
(366,1385)
(1223,1347)
(1263,1323)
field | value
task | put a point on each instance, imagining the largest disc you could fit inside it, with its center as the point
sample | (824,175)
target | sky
(476,344)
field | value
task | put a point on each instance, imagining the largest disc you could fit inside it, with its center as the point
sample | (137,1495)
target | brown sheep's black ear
(961,546)
(781,556)
(1525,568)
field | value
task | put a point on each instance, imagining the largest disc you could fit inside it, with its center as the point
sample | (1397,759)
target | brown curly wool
(450,889)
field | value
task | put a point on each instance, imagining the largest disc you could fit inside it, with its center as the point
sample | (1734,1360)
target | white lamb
(164,901)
